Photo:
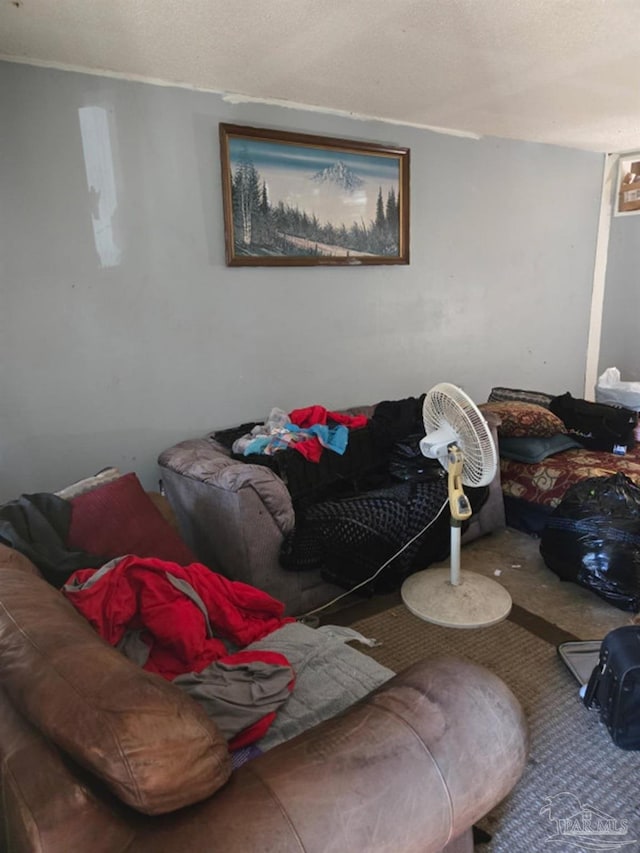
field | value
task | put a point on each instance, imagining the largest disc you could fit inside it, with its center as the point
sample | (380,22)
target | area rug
(579,792)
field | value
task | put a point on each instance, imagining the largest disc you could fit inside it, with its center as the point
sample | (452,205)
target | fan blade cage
(448,405)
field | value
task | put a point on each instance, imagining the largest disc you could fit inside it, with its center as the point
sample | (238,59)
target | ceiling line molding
(103,72)
(235,98)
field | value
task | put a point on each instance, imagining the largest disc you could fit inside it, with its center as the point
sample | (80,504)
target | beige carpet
(572,757)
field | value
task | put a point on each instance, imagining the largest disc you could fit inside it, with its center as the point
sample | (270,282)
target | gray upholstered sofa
(235,515)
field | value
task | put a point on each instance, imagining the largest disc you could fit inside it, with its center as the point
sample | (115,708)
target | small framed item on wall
(293,199)
(628,188)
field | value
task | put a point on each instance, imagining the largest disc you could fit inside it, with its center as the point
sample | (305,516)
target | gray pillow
(534,449)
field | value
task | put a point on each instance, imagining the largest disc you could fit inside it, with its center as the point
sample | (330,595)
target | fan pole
(456,531)
(459,507)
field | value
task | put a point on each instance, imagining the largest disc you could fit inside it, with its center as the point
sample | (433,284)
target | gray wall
(110,354)
(620,339)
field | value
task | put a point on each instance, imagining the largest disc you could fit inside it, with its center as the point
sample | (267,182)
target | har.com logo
(583,826)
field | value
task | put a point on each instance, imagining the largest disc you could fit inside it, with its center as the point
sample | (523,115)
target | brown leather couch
(99,756)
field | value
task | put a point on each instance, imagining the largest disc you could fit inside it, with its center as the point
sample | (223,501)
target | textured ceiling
(559,71)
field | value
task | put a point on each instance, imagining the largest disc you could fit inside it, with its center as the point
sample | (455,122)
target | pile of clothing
(185,623)
(307,431)
(189,625)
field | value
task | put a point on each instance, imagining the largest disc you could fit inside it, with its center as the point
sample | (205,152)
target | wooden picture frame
(628,187)
(294,199)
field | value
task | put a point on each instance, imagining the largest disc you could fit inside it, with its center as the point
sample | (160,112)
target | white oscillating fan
(459,437)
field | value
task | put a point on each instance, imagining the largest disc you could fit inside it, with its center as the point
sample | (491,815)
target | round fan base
(474,603)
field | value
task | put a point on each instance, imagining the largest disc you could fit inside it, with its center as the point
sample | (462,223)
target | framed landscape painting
(292,199)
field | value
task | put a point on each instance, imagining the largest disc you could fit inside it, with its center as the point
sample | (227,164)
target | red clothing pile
(184,631)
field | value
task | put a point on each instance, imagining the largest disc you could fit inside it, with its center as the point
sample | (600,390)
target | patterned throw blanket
(349,540)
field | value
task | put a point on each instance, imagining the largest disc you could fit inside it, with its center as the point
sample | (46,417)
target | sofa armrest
(410,768)
(48,804)
(15,561)
(233,515)
(146,740)
(208,462)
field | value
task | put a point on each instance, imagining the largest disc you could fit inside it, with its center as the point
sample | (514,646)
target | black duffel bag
(614,686)
(597,426)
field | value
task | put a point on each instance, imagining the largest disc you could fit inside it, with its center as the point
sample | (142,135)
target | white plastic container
(610,389)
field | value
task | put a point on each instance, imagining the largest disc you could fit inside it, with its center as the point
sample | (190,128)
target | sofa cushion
(147,741)
(532,450)
(519,419)
(87,484)
(120,518)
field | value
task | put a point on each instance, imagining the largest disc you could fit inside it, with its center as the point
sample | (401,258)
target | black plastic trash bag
(593,539)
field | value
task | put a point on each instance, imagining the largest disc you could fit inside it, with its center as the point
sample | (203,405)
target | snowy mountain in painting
(339,174)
